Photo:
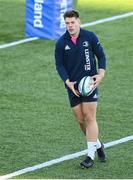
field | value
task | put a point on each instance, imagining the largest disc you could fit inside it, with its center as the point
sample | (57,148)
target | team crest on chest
(85,44)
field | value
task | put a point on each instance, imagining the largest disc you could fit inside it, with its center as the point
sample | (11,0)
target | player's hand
(71,86)
(97,80)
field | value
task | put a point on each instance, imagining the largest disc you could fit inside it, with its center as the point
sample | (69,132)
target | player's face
(73,25)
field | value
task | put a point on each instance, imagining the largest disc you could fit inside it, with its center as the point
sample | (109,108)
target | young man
(75,57)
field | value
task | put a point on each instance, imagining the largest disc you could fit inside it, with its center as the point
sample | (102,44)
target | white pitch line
(61,159)
(83,25)
(18,42)
(107,19)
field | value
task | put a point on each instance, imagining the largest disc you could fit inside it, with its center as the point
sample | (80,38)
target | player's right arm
(59,58)
(71,86)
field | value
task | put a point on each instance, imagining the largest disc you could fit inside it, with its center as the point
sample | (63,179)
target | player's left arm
(99,53)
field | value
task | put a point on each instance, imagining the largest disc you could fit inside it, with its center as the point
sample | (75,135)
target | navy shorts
(74,100)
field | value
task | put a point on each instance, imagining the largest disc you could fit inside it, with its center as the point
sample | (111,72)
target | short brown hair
(71,13)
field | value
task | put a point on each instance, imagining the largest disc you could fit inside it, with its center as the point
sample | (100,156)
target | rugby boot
(101,153)
(87,163)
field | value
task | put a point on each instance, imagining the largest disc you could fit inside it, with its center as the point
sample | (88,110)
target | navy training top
(76,61)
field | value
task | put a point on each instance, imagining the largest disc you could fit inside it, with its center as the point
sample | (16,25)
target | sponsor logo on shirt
(87,66)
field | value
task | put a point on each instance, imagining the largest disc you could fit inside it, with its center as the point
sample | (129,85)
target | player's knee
(79,118)
(90,117)
(81,122)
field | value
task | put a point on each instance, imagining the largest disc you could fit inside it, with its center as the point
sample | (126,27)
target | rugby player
(79,53)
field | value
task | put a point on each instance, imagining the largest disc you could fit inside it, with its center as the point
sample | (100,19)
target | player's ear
(79,21)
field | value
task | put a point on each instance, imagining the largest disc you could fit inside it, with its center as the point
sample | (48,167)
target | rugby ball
(85,86)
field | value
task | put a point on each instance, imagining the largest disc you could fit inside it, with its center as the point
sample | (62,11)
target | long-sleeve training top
(76,61)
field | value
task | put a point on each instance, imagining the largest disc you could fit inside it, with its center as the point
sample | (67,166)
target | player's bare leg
(89,113)
(79,116)
(86,116)
(93,143)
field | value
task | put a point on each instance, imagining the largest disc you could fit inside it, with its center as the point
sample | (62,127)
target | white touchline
(108,19)
(18,42)
(61,159)
(83,25)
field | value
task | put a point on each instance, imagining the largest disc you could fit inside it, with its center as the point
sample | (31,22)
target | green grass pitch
(36,123)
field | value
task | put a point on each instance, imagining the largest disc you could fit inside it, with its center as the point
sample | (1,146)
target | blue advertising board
(44,18)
